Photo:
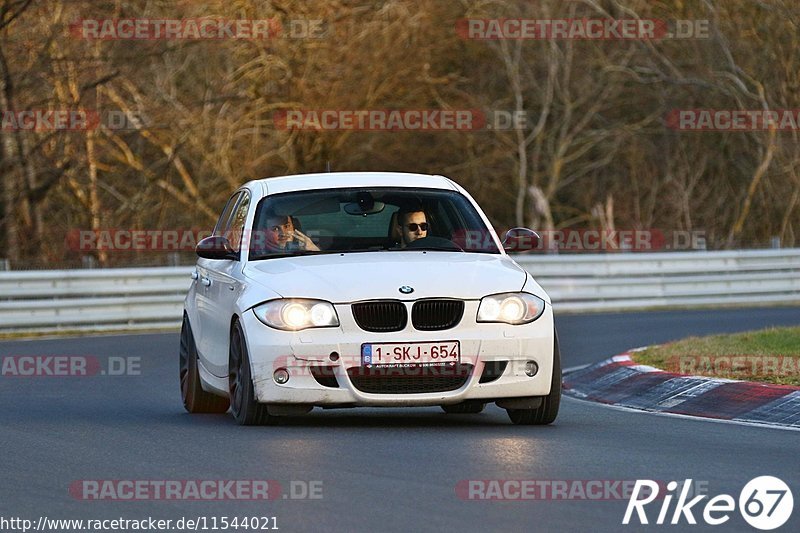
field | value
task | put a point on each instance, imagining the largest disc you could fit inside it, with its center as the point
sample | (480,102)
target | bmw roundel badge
(405,289)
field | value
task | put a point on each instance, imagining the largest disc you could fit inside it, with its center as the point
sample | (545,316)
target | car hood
(343,278)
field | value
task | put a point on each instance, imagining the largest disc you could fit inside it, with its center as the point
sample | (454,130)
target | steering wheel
(434,242)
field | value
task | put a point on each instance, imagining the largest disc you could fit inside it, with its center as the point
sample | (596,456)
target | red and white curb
(619,381)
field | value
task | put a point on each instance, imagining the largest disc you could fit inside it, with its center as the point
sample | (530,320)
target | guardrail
(151,298)
(630,281)
(102,299)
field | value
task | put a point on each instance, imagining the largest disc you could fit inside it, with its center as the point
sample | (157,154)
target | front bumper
(299,352)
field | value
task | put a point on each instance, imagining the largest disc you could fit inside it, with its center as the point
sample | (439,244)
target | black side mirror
(216,247)
(521,240)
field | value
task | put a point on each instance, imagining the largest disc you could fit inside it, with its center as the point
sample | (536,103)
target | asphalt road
(380,470)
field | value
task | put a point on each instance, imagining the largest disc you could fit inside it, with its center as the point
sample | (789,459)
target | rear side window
(224,222)
(236,226)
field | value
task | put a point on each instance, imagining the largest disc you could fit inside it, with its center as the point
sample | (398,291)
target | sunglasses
(413,226)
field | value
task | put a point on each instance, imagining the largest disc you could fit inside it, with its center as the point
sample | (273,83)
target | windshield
(361,220)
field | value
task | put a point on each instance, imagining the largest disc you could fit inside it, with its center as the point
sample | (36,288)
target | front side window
(361,220)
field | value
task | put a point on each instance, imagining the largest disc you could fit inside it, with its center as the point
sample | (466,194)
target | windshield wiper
(295,253)
(425,249)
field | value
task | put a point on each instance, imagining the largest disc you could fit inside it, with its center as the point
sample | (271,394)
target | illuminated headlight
(511,308)
(295,315)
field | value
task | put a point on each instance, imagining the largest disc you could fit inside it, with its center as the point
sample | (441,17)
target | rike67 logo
(765,503)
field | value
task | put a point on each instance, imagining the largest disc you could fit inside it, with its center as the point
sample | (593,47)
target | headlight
(511,308)
(295,315)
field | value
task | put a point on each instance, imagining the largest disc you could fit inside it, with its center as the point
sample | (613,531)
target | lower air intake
(410,380)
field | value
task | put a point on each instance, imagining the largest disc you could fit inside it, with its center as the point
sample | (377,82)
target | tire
(465,408)
(195,399)
(244,407)
(547,412)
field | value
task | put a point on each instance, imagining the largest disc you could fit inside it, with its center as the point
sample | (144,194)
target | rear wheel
(464,408)
(195,399)
(547,412)
(244,407)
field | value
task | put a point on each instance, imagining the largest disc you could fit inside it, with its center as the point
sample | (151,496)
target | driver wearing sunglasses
(413,225)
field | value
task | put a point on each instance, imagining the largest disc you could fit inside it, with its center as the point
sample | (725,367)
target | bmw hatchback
(364,289)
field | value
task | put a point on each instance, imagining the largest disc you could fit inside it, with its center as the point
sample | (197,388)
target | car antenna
(327,166)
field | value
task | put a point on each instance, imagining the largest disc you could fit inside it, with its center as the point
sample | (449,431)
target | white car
(364,289)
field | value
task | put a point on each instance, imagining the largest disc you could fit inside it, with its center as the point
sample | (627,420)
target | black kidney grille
(410,380)
(433,315)
(380,316)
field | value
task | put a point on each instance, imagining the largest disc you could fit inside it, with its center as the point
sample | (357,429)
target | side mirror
(216,247)
(520,240)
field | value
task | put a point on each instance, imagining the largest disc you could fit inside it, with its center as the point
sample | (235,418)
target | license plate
(410,353)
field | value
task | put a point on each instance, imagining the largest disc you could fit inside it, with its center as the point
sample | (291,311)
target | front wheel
(547,412)
(195,399)
(244,407)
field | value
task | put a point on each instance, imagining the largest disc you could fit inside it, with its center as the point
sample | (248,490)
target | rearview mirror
(365,204)
(216,247)
(520,240)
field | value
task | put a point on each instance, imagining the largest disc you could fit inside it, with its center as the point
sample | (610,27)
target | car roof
(337,180)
